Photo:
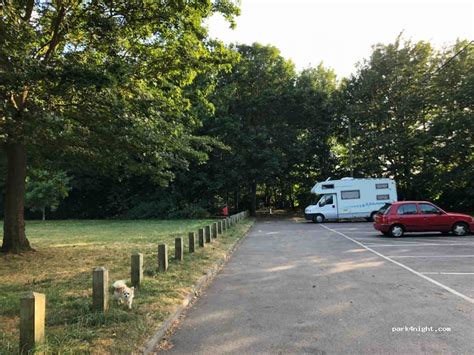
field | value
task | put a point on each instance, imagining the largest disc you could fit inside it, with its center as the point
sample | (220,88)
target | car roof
(404,202)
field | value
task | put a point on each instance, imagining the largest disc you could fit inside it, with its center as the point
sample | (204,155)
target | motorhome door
(328,206)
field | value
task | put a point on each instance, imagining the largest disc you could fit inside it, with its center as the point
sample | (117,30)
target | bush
(166,208)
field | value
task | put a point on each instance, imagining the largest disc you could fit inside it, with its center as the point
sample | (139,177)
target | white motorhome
(350,198)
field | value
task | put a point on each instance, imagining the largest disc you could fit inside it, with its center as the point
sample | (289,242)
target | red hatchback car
(420,216)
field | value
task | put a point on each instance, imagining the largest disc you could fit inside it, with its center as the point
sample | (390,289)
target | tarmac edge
(196,290)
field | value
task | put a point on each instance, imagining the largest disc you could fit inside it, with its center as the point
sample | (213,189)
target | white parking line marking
(404,242)
(449,289)
(431,256)
(366,232)
(359,230)
(416,245)
(445,242)
(447,273)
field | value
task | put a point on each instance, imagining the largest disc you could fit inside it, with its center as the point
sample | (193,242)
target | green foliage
(165,207)
(385,107)
(449,155)
(412,120)
(278,125)
(113,83)
(282,131)
(313,116)
(253,120)
(136,95)
(46,189)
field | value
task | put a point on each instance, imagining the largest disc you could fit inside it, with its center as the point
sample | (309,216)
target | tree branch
(19,100)
(28,10)
(56,31)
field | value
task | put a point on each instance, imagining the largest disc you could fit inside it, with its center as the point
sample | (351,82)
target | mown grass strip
(62,269)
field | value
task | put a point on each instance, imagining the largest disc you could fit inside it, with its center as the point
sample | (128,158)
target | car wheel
(396,231)
(319,218)
(460,229)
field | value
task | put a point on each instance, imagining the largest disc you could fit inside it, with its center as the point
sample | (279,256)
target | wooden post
(136,273)
(219,227)
(100,289)
(162,257)
(224,224)
(192,241)
(201,237)
(32,316)
(178,249)
(214,230)
(208,234)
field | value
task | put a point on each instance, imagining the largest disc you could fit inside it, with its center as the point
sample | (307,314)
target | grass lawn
(67,251)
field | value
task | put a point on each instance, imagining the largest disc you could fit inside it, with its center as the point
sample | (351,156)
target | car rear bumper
(382,227)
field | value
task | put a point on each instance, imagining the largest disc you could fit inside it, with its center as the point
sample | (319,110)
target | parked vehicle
(397,218)
(350,198)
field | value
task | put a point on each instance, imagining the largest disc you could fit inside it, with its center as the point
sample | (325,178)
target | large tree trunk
(14,238)
(253,198)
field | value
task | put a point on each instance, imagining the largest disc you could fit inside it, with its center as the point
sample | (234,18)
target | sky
(340,33)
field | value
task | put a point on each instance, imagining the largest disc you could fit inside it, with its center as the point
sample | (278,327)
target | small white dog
(123,294)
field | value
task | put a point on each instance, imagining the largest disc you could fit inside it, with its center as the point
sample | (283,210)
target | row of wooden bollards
(33,304)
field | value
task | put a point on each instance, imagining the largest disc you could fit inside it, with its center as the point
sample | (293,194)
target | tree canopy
(150,117)
(103,81)
(411,116)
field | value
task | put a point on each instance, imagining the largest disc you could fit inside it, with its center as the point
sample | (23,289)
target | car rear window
(384,209)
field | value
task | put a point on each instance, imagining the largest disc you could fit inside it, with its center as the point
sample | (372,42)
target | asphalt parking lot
(336,288)
(445,260)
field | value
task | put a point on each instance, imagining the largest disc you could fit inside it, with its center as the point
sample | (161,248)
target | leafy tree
(312,116)
(449,157)
(107,82)
(385,103)
(252,118)
(45,189)
(410,110)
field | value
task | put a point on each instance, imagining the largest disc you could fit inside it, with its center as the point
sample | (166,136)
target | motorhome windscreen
(326,200)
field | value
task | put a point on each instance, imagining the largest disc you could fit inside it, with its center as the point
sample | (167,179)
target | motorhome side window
(328,186)
(381,186)
(383,197)
(350,194)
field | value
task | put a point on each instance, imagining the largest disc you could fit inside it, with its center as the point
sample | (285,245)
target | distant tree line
(127,109)
(279,131)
